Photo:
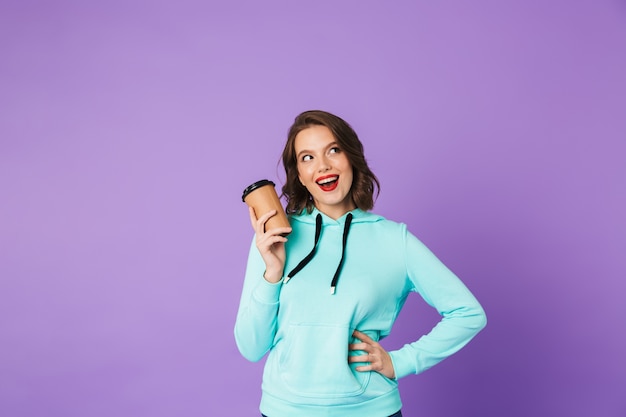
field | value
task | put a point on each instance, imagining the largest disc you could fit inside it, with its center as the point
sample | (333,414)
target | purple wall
(129,129)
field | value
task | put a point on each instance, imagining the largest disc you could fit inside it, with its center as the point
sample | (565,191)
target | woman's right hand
(271,245)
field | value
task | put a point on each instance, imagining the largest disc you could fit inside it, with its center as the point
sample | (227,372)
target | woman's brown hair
(364,181)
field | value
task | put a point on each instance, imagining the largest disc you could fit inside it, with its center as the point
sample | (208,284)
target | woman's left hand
(377,357)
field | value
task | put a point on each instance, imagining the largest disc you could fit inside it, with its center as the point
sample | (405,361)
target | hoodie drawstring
(346,229)
(307,259)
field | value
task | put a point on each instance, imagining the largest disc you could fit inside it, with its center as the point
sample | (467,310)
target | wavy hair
(364,182)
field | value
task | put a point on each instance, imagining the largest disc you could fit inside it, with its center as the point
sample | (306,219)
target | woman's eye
(335,150)
(306,158)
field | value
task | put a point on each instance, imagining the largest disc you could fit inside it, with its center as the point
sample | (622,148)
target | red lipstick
(328,182)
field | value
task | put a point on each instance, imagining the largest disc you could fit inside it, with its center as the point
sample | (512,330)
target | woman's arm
(258,307)
(462,315)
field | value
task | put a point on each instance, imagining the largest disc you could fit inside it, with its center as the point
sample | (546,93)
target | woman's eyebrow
(302,151)
(330,145)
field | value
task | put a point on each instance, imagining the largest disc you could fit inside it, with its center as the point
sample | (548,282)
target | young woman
(321,298)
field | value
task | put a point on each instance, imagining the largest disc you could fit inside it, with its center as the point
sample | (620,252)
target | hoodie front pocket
(313,362)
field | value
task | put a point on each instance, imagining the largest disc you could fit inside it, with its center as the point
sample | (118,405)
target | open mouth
(328,183)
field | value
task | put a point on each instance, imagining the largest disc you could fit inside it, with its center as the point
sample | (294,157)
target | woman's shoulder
(380,223)
(359,217)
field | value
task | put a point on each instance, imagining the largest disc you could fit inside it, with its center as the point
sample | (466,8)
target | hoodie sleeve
(462,317)
(255,326)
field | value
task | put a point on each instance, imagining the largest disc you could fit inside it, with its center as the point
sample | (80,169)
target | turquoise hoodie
(306,327)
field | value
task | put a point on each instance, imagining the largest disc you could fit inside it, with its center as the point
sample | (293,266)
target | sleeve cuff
(267,292)
(403,364)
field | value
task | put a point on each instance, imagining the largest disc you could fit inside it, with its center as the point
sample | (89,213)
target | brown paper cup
(262,197)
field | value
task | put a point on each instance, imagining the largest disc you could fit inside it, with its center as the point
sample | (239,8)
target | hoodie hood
(320,219)
(358,216)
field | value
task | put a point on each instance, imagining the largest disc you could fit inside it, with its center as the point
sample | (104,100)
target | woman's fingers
(371,363)
(362,337)
(271,244)
(364,357)
(258,224)
(375,357)
(359,358)
(253,218)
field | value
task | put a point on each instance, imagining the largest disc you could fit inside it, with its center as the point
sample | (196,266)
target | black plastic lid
(254,186)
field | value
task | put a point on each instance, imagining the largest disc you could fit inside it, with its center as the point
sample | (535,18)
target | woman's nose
(324,165)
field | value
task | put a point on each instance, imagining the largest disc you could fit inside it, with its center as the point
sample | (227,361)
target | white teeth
(327,180)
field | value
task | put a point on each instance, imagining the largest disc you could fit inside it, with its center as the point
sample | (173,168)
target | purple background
(128,130)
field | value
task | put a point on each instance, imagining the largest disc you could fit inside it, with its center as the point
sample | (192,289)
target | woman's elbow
(248,350)
(479,319)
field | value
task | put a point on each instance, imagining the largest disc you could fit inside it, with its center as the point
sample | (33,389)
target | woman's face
(324,169)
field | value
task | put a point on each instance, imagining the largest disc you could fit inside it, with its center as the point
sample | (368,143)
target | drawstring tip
(286,280)
(332,290)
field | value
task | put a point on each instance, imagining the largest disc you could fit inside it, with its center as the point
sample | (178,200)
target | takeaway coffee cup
(262,197)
